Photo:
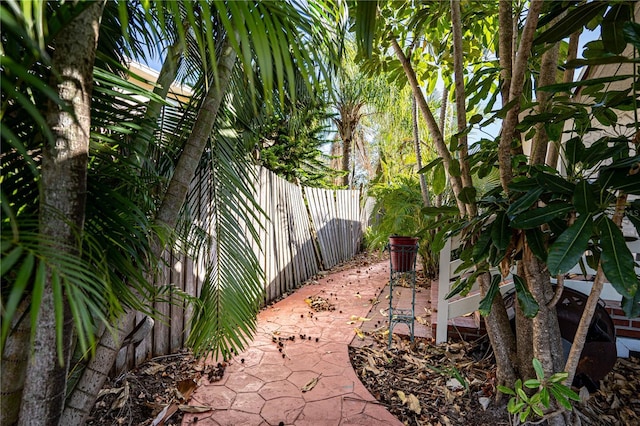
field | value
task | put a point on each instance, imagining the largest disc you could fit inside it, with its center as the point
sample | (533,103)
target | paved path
(265,389)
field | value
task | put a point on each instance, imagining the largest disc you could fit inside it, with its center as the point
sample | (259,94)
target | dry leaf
(194,408)
(402,397)
(110,391)
(414,404)
(185,388)
(359,333)
(154,369)
(122,398)
(384,312)
(358,295)
(310,385)
(355,318)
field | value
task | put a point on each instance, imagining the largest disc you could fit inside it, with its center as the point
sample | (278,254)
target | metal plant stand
(403,274)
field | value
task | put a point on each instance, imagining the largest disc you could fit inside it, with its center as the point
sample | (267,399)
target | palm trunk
(194,148)
(14,364)
(432,125)
(83,398)
(62,205)
(166,77)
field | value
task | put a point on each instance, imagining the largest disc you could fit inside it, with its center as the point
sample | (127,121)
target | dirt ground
(420,383)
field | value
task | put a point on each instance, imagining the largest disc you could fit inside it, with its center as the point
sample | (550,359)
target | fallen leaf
(122,398)
(414,404)
(310,384)
(110,391)
(154,369)
(185,388)
(402,396)
(359,333)
(194,408)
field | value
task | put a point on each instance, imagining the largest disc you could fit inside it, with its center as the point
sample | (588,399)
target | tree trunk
(14,364)
(547,77)
(553,151)
(505,23)
(194,148)
(95,374)
(166,77)
(461,109)
(547,344)
(347,141)
(500,336)
(432,125)
(424,189)
(592,303)
(62,207)
(515,91)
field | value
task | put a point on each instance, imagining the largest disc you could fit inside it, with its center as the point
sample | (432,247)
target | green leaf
(554,183)
(36,295)
(431,165)
(524,202)
(559,377)
(561,399)
(540,216)
(462,285)
(632,33)
(617,260)
(481,247)
(535,240)
(505,390)
(532,383)
(526,301)
(454,168)
(439,182)
(15,295)
(7,262)
(620,179)
(487,300)
(631,305)
(612,27)
(537,366)
(584,198)
(564,87)
(573,21)
(544,397)
(500,231)
(574,152)
(475,119)
(468,195)
(565,391)
(524,414)
(570,246)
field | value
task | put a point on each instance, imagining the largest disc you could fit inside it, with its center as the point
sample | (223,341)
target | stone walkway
(264,385)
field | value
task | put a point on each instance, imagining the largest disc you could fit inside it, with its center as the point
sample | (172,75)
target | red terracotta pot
(403,253)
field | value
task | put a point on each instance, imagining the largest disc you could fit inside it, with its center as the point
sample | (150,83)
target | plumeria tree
(538,223)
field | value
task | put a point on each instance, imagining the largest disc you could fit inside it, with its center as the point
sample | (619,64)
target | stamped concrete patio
(264,384)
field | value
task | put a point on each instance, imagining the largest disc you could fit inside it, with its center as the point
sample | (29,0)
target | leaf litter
(450,384)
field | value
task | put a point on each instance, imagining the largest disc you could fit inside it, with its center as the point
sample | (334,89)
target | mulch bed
(454,384)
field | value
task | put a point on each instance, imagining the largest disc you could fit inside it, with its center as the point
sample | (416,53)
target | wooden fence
(306,230)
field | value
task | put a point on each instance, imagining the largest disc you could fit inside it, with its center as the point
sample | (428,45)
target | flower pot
(403,253)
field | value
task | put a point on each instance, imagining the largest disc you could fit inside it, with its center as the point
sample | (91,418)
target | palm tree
(269,36)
